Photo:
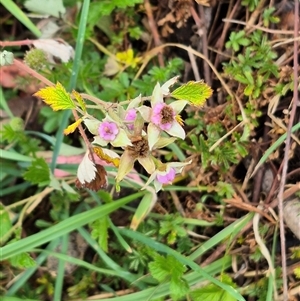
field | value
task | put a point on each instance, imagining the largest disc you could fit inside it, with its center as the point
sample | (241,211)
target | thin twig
(255,14)
(154,31)
(207,74)
(260,27)
(286,157)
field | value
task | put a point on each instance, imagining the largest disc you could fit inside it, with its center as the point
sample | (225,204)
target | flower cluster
(138,130)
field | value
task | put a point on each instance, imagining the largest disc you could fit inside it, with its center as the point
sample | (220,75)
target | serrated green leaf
(80,100)
(194,92)
(212,292)
(158,268)
(38,172)
(22,260)
(178,288)
(240,78)
(100,232)
(56,97)
(163,268)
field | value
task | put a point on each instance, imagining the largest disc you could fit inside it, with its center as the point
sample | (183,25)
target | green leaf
(56,97)
(194,92)
(174,226)
(100,232)
(23,260)
(38,172)
(163,268)
(213,292)
(4,222)
(225,189)
(178,288)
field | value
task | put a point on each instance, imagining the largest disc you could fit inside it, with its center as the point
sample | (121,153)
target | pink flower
(163,116)
(165,174)
(166,178)
(130,115)
(108,130)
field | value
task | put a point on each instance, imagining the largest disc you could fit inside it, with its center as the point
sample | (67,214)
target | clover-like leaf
(195,93)
(56,97)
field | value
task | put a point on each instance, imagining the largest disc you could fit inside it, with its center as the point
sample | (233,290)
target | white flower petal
(176,130)
(157,185)
(164,141)
(121,140)
(153,135)
(145,112)
(98,140)
(157,95)
(148,164)
(86,171)
(126,165)
(135,103)
(179,165)
(178,105)
(165,87)
(110,153)
(92,125)
(150,180)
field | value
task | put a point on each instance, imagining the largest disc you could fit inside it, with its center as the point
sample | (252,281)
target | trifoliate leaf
(56,97)
(4,222)
(194,92)
(72,127)
(163,267)
(158,268)
(80,100)
(38,172)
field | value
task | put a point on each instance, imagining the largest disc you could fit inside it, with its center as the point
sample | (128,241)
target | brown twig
(207,73)
(255,14)
(154,30)
(47,82)
(221,40)
(286,157)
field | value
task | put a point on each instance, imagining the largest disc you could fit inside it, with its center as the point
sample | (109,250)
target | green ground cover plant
(125,175)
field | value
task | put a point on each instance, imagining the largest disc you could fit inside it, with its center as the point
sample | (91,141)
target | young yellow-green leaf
(195,93)
(56,97)
(297,273)
(72,127)
(80,100)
